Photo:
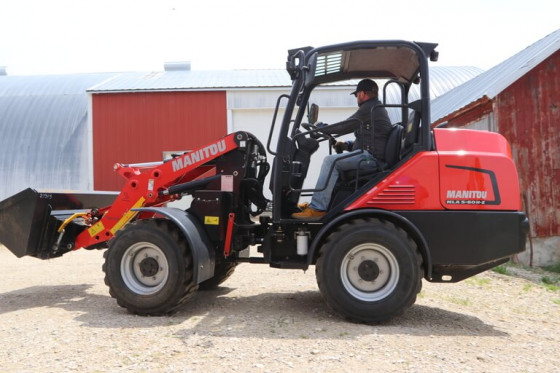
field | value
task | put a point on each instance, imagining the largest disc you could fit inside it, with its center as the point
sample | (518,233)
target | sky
(86,36)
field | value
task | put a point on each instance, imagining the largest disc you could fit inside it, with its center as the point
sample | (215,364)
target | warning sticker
(212,220)
(227,183)
(96,229)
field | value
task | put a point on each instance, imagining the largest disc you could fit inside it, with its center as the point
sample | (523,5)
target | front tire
(149,267)
(369,271)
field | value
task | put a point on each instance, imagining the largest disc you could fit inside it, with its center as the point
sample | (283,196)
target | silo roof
(43,121)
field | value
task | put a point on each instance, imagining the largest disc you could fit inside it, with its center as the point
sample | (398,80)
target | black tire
(149,268)
(222,272)
(369,271)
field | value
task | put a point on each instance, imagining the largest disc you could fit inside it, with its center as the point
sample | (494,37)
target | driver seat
(392,156)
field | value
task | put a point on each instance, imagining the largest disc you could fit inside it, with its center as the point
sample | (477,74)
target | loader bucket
(29,220)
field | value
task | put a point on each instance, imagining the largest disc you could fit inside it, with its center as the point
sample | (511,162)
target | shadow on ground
(266,315)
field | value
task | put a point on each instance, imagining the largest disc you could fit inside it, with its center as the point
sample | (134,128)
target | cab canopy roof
(388,59)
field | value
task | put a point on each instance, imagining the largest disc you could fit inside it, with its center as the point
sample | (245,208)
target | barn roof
(193,80)
(442,80)
(492,82)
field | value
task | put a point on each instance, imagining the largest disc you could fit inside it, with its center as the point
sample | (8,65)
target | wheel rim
(369,272)
(144,268)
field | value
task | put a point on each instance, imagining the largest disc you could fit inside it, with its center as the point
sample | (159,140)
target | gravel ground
(57,316)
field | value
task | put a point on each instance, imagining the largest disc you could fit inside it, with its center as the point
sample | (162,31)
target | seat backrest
(394,144)
(412,128)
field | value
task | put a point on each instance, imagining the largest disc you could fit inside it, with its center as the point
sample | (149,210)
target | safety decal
(212,220)
(95,229)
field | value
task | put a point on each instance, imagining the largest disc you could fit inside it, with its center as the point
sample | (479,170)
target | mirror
(313,113)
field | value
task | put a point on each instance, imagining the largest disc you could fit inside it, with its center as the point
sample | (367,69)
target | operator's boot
(302,206)
(309,214)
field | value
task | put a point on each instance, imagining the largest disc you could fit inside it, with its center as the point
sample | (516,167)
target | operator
(366,94)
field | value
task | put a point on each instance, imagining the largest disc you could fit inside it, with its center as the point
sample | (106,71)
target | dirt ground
(57,316)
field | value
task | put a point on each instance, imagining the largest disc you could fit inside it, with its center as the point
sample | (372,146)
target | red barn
(139,117)
(139,127)
(520,99)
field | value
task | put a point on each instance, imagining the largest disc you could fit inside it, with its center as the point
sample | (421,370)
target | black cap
(365,85)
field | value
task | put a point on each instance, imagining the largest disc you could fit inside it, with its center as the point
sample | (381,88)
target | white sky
(70,36)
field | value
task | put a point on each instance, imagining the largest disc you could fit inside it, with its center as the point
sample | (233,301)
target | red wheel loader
(445,206)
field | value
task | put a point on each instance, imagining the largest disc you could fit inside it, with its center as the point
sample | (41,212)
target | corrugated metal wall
(43,127)
(528,115)
(140,126)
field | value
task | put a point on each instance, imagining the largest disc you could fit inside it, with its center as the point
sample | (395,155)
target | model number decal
(464,202)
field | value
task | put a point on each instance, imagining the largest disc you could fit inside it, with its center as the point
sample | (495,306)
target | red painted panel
(476,171)
(470,170)
(138,127)
(414,186)
(528,114)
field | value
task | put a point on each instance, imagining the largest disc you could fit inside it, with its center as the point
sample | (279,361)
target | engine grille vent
(395,195)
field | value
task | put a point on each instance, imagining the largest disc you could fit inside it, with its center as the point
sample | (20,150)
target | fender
(203,254)
(401,221)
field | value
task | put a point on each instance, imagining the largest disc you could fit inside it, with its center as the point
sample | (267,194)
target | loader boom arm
(146,187)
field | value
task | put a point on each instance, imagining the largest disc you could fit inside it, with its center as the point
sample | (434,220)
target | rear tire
(149,267)
(369,271)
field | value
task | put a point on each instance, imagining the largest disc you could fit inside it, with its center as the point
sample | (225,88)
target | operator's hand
(340,146)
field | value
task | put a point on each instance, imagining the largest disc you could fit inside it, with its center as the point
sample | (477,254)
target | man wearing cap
(364,151)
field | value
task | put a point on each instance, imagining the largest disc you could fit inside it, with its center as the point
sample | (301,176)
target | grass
(548,281)
(551,283)
(550,287)
(501,269)
(478,281)
(547,277)
(553,268)
(460,301)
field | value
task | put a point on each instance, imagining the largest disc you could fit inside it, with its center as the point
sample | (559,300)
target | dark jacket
(372,139)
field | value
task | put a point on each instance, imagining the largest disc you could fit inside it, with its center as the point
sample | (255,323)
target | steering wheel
(318,133)
(308,126)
